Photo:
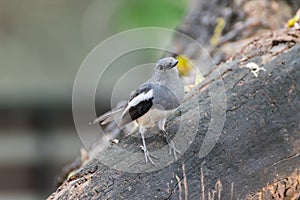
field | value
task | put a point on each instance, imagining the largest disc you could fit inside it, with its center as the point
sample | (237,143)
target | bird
(151,104)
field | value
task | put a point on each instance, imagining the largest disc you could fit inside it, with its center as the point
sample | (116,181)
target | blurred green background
(42,44)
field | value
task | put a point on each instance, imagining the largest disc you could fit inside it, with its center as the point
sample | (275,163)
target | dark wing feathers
(142,107)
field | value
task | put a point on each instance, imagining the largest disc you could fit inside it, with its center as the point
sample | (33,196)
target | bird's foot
(148,156)
(172,149)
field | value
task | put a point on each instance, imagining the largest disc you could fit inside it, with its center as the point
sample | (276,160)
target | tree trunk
(239,135)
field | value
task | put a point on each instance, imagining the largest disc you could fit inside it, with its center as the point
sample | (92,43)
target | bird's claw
(148,156)
(172,149)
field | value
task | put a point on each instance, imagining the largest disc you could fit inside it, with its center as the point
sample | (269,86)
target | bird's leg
(144,147)
(172,148)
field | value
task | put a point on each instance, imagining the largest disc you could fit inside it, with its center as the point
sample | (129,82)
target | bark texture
(257,154)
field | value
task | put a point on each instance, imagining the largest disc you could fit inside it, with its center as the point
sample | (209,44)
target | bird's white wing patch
(138,99)
(141,97)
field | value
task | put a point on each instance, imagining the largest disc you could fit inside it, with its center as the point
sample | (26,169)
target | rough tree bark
(257,155)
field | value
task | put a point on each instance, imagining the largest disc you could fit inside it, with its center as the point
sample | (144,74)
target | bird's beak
(174,63)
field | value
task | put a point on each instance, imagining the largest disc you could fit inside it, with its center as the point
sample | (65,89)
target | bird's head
(165,69)
(166,64)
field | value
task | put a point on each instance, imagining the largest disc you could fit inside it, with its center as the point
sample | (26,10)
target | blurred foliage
(139,13)
(44,42)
